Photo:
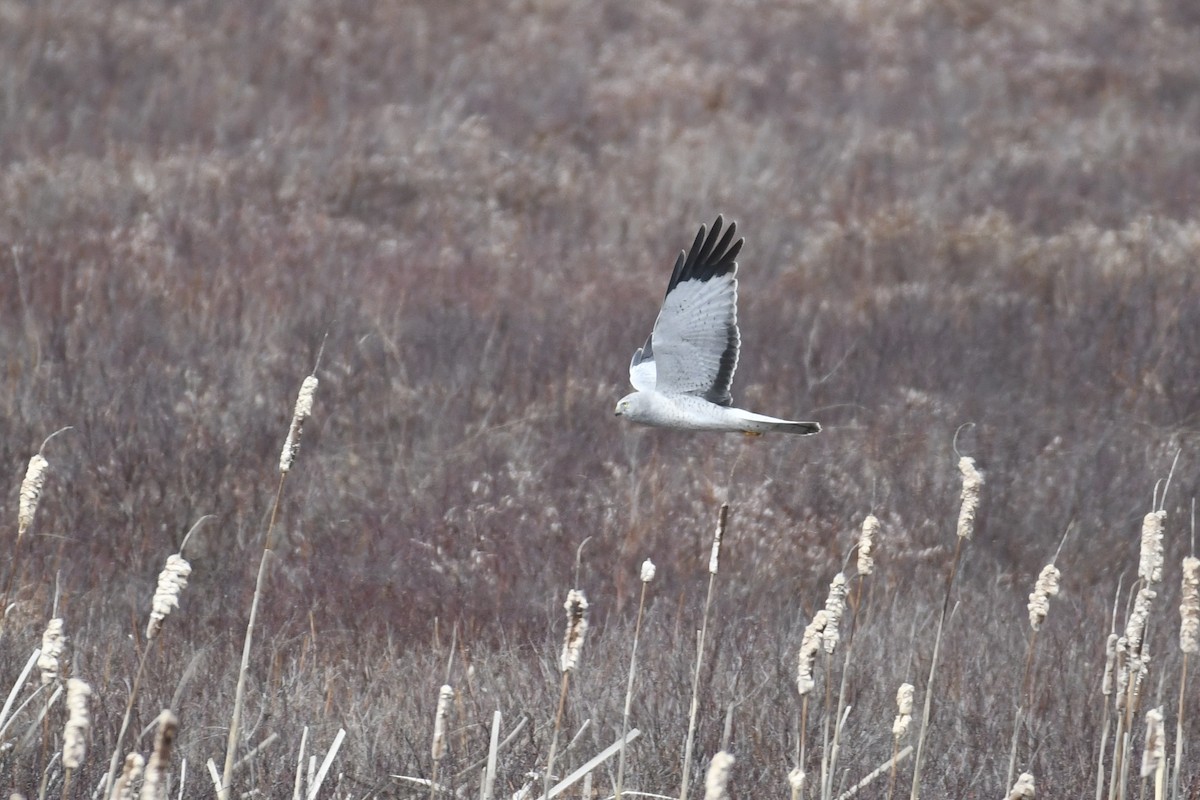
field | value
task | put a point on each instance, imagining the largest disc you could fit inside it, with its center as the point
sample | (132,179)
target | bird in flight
(684,372)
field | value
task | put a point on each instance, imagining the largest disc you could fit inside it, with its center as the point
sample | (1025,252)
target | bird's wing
(642,372)
(694,346)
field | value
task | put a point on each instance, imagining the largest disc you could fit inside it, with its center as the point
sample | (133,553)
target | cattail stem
(713,562)
(562,704)
(647,576)
(244,668)
(116,754)
(937,644)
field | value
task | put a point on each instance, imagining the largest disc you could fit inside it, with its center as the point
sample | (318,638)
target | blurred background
(969,224)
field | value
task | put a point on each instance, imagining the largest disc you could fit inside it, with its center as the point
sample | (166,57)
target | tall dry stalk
(1189,642)
(1039,606)
(438,750)
(647,575)
(1133,660)
(810,645)
(714,560)
(864,566)
(291,447)
(972,482)
(27,504)
(904,709)
(835,607)
(576,607)
(171,582)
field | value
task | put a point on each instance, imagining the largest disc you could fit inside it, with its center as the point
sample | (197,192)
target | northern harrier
(684,371)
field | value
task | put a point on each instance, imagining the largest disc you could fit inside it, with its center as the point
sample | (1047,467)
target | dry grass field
(972,230)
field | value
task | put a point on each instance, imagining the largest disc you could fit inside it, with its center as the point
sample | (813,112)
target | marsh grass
(955,212)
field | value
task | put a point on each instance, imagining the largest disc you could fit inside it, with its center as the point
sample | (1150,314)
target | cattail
(1110,664)
(796,781)
(445,695)
(715,556)
(1139,670)
(718,776)
(130,773)
(78,722)
(53,644)
(304,403)
(1150,557)
(810,645)
(647,571)
(576,607)
(835,605)
(31,492)
(1045,588)
(1023,788)
(1189,606)
(1156,742)
(1122,672)
(866,540)
(904,708)
(1135,627)
(972,481)
(171,581)
(154,786)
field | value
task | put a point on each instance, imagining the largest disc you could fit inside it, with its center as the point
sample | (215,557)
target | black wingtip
(710,255)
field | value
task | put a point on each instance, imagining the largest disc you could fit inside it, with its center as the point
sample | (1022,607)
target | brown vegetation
(956,211)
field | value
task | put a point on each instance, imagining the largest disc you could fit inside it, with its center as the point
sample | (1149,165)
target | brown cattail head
(904,708)
(1023,789)
(304,404)
(810,645)
(445,695)
(130,773)
(1110,664)
(171,581)
(866,541)
(1135,627)
(31,492)
(154,787)
(718,776)
(78,722)
(1189,606)
(53,644)
(715,557)
(835,606)
(1045,588)
(576,607)
(647,571)
(972,482)
(1156,742)
(796,781)
(1150,557)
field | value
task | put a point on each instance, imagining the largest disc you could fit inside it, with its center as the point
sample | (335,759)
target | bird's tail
(800,428)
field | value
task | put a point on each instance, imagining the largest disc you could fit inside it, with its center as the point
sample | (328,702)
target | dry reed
(576,607)
(438,749)
(646,574)
(714,560)
(171,581)
(972,483)
(291,446)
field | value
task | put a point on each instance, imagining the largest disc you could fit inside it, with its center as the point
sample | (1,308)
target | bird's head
(630,406)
